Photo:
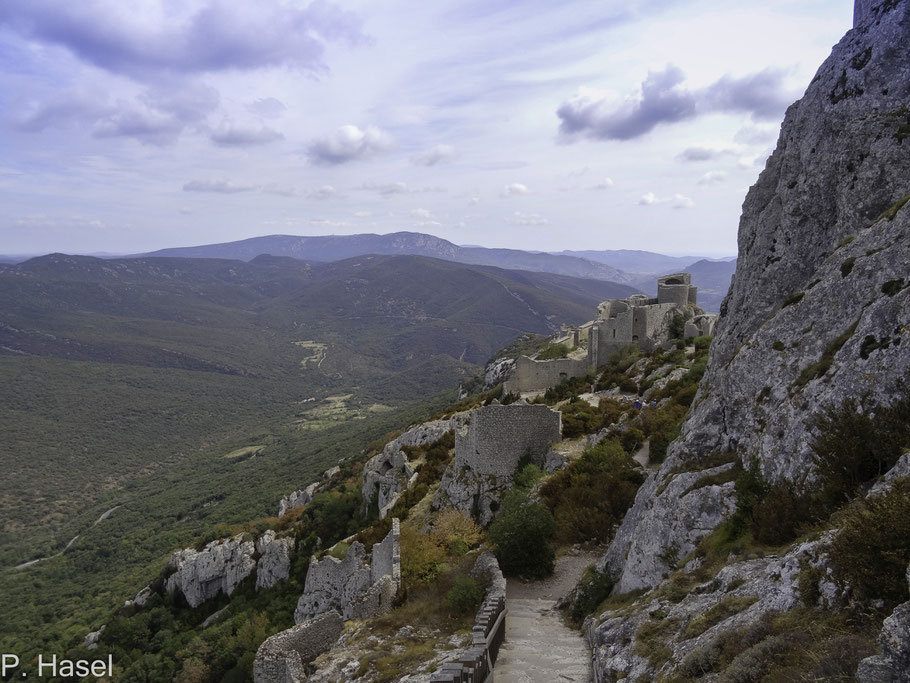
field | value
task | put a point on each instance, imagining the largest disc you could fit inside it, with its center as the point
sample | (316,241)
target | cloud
(435,155)
(663,99)
(692,154)
(267,107)
(756,135)
(515,190)
(219,186)
(389,189)
(232,135)
(474,201)
(529,219)
(324,192)
(349,143)
(712,178)
(677,201)
(158,116)
(166,37)
(423,214)
(604,184)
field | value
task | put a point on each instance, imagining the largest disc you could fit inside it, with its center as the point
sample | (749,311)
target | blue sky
(126,127)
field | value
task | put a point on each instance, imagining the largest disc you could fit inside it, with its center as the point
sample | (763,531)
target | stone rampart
(487,452)
(351,586)
(538,375)
(281,658)
(387,475)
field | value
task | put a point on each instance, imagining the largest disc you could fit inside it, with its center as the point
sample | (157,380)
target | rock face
(274,562)
(893,664)
(496,372)
(487,451)
(821,297)
(281,658)
(747,589)
(668,528)
(386,475)
(351,586)
(217,568)
(297,498)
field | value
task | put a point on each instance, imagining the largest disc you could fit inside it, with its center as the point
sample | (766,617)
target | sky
(132,126)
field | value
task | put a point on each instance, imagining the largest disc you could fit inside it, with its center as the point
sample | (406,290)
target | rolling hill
(339,247)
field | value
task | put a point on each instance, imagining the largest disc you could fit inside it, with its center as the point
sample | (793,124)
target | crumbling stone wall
(387,475)
(200,575)
(487,451)
(351,586)
(281,658)
(537,375)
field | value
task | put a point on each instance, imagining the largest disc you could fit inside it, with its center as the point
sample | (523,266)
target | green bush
(856,443)
(592,494)
(465,595)
(553,351)
(702,343)
(872,550)
(593,589)
(520,535)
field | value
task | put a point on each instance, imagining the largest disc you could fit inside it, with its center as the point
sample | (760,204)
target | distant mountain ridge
(339,247)
(637,261)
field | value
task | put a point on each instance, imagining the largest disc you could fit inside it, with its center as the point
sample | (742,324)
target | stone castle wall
(498,436)
(536,375)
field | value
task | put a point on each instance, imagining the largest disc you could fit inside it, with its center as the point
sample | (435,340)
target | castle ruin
(638,319)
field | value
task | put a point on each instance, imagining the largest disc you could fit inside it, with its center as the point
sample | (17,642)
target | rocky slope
(820,298)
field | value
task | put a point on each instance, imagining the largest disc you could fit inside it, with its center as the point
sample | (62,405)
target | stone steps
(539,648)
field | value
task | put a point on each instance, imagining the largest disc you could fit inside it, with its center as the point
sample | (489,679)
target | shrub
(631,440)
(465,595)
(853,446)
(421,557)
(456,531)
(702,343)
(593,589)
(892,287)
(780,514)
(553,351)
(628,386)
(521,537)
(592,494)
(847,266)
(872,550)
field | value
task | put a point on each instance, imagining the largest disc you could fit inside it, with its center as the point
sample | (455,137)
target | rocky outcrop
(200,575)
(91,640)
(739,594)
(497,371)
(351,586)
(488,450)
(281,658)
(654,535)
(297,498)
(386,475)
(274,562)
(893,664)
(820,301)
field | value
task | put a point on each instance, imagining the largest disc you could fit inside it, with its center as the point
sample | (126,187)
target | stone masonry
(281,658)
(351,586)
(487,451)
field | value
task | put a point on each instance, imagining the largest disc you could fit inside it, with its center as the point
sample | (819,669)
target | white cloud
(422,213)
(234,135)
(529,219)
(677,201)
(712,178)
(324,192)
(349,143)
(515,190)
(389,189)
(604,184)
(218,186)
(435,155)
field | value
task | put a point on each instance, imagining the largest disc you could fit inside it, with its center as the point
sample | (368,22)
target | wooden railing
(476,665)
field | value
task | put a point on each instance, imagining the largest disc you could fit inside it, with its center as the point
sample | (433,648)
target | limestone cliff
(819,308)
